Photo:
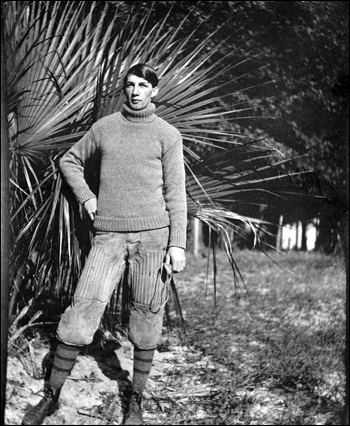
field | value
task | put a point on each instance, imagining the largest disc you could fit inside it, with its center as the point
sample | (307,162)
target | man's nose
(135,90)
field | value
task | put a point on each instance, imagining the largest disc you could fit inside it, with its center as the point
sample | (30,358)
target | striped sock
(142,367)
(62,364)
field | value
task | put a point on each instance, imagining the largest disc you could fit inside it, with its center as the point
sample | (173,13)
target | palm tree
(66,62)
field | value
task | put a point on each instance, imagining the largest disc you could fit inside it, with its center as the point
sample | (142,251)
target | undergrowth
(268,351)
(276,343)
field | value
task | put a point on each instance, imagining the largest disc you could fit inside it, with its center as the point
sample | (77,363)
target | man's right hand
(91,208)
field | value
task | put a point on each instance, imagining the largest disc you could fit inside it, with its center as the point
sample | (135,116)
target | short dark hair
(143,71)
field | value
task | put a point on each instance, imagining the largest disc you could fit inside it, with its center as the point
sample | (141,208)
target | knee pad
(80,321)
(145,325)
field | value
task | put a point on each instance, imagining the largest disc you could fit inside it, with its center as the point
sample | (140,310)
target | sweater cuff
(177,238)
(83,193)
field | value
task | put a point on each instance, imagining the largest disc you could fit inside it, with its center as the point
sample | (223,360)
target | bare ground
(274,357)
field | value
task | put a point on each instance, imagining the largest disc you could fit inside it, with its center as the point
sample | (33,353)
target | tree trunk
(279,234)
(197,236)
(303,235)
(345,243)
(344,233)
(4,221)
(327,237)
(297,234)
(271,236)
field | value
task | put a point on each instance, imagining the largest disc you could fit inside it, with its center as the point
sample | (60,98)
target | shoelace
(47,398)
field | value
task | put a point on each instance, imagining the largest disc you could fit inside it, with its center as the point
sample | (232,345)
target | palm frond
(66,64)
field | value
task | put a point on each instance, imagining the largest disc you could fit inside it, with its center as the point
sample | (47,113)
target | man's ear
(154,91)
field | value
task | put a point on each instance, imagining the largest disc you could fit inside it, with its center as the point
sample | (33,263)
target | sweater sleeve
(175,193)
(72,166)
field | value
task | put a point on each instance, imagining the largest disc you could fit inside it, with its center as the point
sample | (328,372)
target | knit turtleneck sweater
(142,176)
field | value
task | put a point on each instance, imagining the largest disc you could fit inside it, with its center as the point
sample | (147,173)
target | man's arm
(72,166)
(175,197)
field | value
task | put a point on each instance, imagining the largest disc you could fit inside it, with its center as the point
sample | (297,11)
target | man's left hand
(176,256)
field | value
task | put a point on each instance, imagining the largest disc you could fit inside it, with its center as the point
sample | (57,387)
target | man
(140,218)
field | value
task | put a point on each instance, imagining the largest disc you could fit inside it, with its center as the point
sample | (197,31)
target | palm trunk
(4,222)
(345,240)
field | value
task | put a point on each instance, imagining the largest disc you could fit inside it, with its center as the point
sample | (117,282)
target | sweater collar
(145,115)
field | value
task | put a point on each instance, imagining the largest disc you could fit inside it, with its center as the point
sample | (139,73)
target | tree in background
(298,90)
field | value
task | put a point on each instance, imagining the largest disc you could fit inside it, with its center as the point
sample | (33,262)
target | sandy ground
(93,394)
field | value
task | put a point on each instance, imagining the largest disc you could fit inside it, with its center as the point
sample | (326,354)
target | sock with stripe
(62,364)
(142,367)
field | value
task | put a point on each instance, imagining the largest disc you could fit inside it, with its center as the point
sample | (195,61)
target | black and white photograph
(175,212)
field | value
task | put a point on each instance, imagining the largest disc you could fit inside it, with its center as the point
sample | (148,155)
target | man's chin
(137,106)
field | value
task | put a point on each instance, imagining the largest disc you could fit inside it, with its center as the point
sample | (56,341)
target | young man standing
(140,219)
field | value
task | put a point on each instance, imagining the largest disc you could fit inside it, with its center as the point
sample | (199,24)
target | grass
(268,355)
(273,355)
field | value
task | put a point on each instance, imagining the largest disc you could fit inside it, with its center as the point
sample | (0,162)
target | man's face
(139,92)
